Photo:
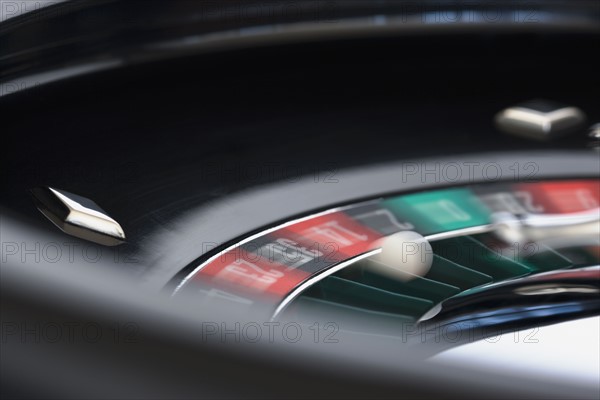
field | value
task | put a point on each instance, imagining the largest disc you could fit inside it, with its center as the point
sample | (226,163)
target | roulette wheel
(301,199)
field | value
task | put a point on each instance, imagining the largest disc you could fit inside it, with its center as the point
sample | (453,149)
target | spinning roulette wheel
(295,199)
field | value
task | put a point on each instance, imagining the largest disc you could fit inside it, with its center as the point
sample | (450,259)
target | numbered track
(281,263)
